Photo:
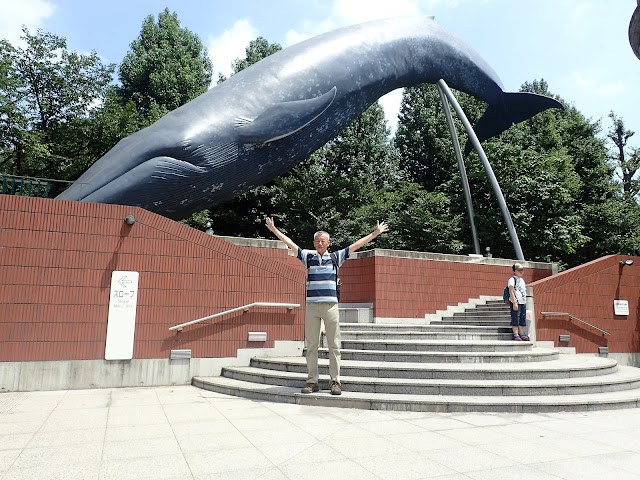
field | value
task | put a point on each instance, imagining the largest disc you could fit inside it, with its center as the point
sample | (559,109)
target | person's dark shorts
(518,317)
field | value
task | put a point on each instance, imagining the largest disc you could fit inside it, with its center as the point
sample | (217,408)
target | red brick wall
(588,292)
(404,287)
(56,260)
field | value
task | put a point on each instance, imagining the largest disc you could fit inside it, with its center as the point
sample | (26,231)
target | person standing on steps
(518,302)
(322,300)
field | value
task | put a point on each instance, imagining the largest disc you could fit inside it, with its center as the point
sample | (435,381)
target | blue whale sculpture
(264,120)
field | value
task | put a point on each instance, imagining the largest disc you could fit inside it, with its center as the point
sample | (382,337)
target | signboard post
(121,323)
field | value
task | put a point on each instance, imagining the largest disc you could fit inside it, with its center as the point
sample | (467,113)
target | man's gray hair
(319,233)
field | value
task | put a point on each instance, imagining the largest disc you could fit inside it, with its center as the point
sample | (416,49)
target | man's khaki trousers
(314,315)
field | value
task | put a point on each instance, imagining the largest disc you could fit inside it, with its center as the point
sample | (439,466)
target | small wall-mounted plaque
(621,307)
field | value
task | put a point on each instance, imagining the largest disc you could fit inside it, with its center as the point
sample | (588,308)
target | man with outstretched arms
(322,300)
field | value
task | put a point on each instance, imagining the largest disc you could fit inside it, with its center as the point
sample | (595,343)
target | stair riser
(450,358)
(479,323)
(519,405)
(417,347)
(436,374)
(423,336)
(381,328)
(461,390)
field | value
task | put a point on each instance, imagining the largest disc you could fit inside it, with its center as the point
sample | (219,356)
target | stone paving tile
(147,447)
(212,442)
(131,415)
(517,472)
(191,412)
(70,471)
(60,438)
(365,447)
(181,432)
(627,461)
(201,463)
(423,441)
(586,468)
(204,427)
(319,454)
(7,457)
(16,440)
(343,469)
(136,432)
(468,459)
(58,457)
(618,439)
(477,435)
(168,467)
(406,466)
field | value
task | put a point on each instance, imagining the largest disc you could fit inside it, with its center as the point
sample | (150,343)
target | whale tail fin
(517,107)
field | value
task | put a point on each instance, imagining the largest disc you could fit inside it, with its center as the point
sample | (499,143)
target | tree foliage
(552,170)
(47,95)
(625,160)
(166,66)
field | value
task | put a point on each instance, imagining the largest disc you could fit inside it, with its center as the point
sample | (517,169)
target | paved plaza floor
(178,433)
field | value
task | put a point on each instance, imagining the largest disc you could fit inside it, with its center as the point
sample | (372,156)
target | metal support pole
(461,167)
(487,167)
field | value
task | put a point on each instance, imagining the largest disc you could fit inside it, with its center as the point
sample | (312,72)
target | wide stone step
(624,379)
(497,322)
(566,366)
(444,335)
(534,355)
(481,313)
(438,345)
(433,327)
(423,403)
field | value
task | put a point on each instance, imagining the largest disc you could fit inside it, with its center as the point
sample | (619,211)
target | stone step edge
(508,367)
(616,378)
(443,353)
(427,335)
(422,403)
(419,327)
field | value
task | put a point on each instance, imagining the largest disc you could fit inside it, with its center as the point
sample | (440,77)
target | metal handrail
(246,308)
(548,314)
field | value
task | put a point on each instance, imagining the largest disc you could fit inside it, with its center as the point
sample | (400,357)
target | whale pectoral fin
(283,119)
(518,107)
(152,181)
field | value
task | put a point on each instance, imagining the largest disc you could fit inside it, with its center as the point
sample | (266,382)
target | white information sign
(121,324)
(621,307)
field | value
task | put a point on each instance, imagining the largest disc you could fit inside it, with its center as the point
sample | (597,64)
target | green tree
(552,170)
(625,160)
(166,67)
(47,95)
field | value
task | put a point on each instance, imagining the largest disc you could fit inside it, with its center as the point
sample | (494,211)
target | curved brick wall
(56,259)
(588,292)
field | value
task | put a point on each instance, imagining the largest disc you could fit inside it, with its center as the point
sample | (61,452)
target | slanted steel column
(487,167)
(463,170)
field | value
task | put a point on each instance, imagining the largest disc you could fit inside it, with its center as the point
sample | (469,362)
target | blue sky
(579,47)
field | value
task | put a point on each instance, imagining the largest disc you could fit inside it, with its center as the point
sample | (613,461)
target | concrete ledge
(81,374)
(382,252)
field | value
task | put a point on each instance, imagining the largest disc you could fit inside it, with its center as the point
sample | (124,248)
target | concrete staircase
(467,361)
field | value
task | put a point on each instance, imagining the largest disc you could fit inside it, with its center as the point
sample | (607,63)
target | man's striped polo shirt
(321,275)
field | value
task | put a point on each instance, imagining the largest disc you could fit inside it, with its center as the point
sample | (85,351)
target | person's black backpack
(505,292)
(334,260)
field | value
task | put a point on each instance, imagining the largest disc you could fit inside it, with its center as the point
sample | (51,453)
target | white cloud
(15,14)
(349,12)
(592,82)
(224,49)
